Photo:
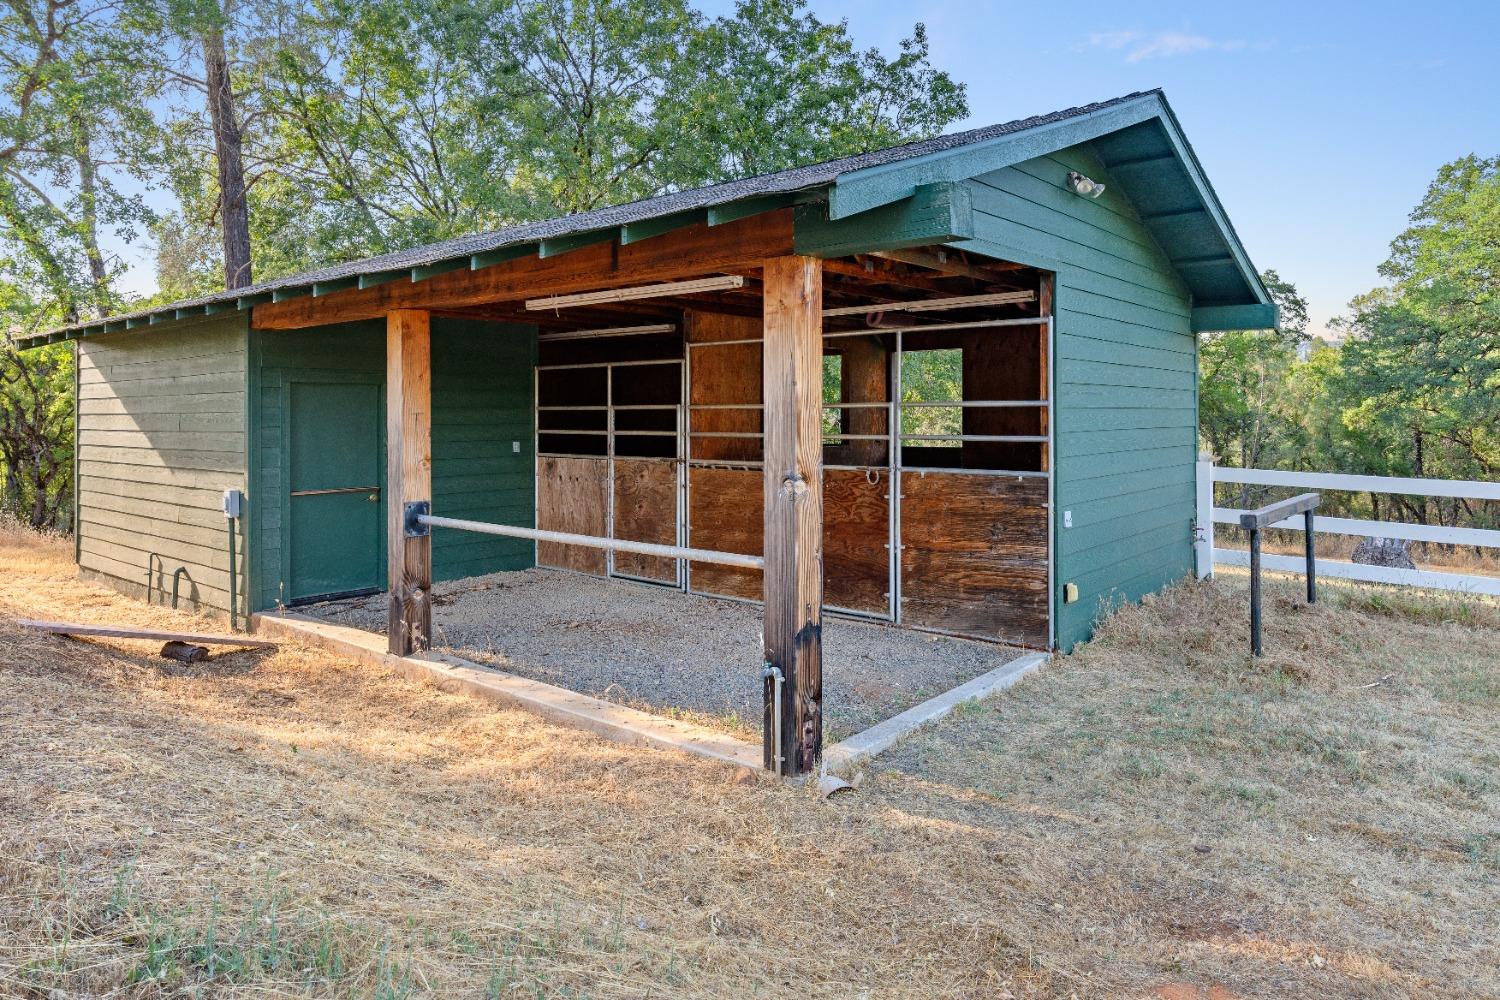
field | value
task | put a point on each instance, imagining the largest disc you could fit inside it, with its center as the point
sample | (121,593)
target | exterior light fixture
(1085,186)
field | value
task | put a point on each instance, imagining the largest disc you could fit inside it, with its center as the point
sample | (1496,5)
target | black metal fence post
(1312,560)
(1255,646)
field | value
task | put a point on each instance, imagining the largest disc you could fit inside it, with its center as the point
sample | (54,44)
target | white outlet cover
(515,447)
(1067,519)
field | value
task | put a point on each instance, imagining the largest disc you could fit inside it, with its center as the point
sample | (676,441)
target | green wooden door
(337,518)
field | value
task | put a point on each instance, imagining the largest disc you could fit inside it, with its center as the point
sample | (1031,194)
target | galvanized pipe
(595,542)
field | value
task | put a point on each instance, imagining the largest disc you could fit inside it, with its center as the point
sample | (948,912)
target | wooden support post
(408,449)
(867,373)
(793,575)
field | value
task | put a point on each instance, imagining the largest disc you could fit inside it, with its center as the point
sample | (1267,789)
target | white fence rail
(1208,555)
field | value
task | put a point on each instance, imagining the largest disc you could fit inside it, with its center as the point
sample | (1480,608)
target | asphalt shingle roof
(781,182)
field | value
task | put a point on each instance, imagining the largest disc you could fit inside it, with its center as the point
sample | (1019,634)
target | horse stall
(871,428)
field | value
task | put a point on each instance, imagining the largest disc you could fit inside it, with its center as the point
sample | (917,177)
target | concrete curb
(841,758)
(452,674)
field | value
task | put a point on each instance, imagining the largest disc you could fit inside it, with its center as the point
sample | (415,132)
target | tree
(401,122)
(1242,416)
(779,88)
(73,117)
(204,38)
(1422,362)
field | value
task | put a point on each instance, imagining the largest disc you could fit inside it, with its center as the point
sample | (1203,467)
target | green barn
(950,385)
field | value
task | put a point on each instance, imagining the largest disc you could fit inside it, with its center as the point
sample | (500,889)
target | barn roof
(1137,137)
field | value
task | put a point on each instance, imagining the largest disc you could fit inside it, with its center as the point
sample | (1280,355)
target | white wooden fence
(1209,556)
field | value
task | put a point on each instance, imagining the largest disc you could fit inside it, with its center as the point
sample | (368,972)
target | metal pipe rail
(595,542)
(1255,521)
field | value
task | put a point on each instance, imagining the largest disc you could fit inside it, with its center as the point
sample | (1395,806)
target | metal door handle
(337,490)
(373,498)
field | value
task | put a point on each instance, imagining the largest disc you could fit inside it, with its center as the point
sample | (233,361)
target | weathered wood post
(408,449)
(793,575)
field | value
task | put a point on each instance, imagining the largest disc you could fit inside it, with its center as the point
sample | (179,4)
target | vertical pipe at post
(1312,568)
(1255,646)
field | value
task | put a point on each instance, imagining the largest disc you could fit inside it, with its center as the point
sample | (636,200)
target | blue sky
(1319,124)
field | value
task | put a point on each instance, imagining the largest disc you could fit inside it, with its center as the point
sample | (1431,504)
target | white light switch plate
(1067,519)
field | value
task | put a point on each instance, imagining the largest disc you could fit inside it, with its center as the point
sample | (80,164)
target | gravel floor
(675,653)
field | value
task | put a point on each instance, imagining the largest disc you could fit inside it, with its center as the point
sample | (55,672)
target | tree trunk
(88,190)
(234,212)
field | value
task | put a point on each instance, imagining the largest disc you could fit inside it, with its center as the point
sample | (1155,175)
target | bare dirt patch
(1156,811)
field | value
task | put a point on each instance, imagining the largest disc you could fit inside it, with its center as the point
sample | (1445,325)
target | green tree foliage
(399,122)
(360,127)
(73,125)
(1242,416)
(1413,389)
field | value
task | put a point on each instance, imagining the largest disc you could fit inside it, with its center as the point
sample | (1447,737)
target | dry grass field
(1153,816)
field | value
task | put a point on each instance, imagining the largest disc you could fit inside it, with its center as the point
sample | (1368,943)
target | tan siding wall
(161,436)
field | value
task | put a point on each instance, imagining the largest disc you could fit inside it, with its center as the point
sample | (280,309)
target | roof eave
(862,190)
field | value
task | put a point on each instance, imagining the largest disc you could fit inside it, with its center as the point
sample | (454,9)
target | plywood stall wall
(572,495)
(611,398)
(974,555)
(645,510)
(725,506)
(856,533)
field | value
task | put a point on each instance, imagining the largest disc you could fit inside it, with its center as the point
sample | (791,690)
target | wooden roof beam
(692,251)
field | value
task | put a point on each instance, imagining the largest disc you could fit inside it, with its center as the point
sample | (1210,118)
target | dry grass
(1154,809)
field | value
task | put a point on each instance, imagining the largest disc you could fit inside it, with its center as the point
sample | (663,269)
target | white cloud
(1139,45)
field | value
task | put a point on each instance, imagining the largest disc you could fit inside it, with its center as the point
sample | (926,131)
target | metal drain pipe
(773,672)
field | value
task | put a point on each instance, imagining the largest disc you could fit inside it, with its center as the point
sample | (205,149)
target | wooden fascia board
(718,215)
(1256,316)
(935,213)
(425,272)
(559,245)
(862,190)
(635,232)
(489,258)
(322,288)
(691,251)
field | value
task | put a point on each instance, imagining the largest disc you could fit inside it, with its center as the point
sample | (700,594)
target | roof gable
(1141,146)
(1137,137)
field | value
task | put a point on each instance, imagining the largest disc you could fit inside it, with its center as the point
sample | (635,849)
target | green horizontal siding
(161,436)
(1125,380)
(481,406)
